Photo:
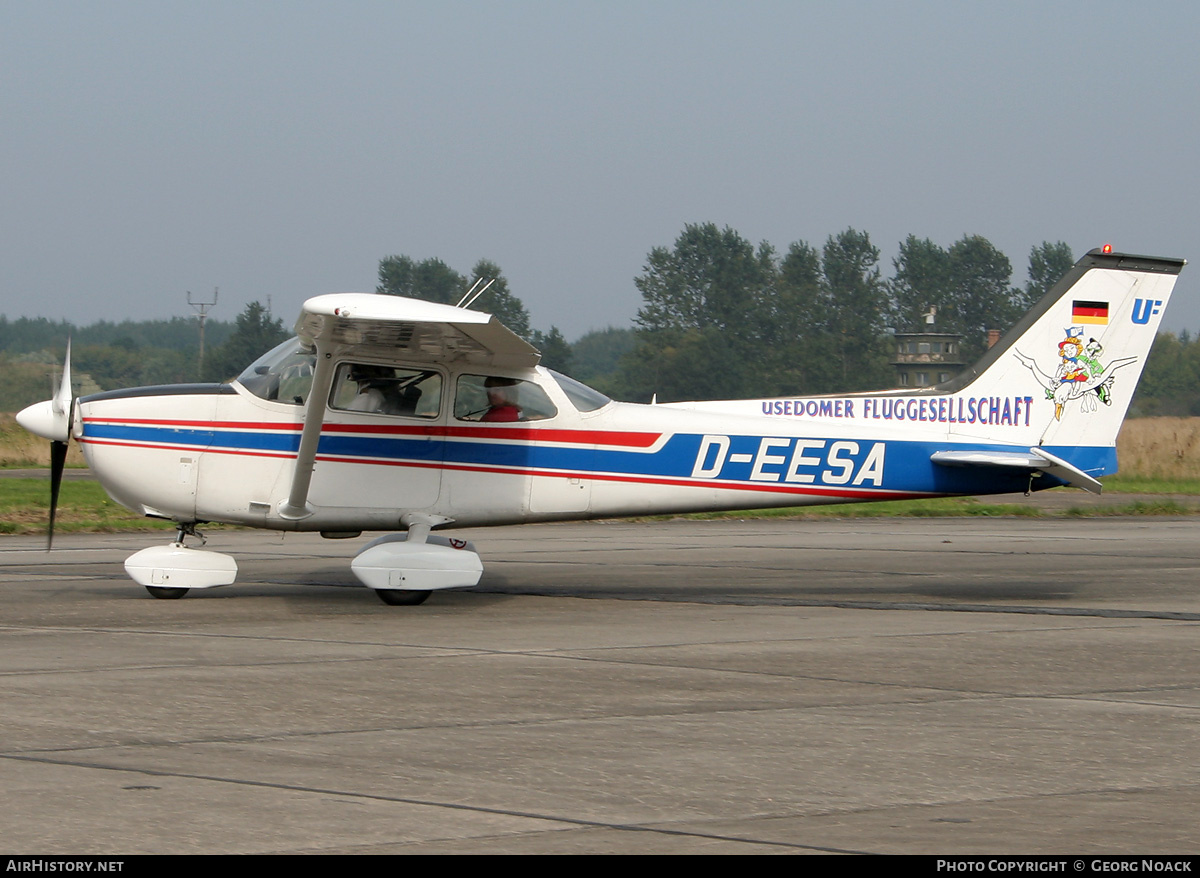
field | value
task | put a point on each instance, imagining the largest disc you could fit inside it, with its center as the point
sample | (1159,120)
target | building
(922,359)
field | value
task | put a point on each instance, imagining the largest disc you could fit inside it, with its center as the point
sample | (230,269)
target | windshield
(282,374)
(584,398)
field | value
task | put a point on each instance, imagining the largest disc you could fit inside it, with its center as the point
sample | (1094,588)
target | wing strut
(296,506)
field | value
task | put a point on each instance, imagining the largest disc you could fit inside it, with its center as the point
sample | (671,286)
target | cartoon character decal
(1079,375)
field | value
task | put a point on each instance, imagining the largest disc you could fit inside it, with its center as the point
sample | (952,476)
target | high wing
(389,328)
(411,329)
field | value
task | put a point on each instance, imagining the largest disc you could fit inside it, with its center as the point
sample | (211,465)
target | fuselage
(225,453)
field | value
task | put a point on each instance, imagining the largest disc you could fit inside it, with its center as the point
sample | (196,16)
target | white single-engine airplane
(392,414)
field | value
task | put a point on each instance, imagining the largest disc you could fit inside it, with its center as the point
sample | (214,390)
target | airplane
(399,415)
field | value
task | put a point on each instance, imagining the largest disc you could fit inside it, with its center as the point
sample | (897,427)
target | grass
(1160,449)
(1165,506)
(1120,484)
(83,507)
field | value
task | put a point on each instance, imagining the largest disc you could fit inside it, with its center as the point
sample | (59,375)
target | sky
(279,150)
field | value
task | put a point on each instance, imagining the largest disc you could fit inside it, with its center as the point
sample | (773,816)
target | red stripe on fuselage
(519,434)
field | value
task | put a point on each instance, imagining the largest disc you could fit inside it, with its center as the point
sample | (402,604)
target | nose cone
(41,419)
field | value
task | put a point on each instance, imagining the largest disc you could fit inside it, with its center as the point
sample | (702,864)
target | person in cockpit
(502,400)
(374,384)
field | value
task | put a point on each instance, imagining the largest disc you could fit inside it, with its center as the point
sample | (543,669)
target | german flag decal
(1089,312)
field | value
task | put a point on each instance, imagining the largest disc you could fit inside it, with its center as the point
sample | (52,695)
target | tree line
(106,356)
(724,318)
(721,317)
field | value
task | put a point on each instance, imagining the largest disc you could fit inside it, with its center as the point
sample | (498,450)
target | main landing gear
(403,569)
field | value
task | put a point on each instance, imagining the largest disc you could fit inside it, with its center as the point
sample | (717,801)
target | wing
(411,329)
(389,327)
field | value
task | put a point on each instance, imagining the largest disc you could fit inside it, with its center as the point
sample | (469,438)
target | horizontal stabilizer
(1036,460)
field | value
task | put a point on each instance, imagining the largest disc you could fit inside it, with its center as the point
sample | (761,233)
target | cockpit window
(282,374)
(584,398)
(387,390)
(497,399)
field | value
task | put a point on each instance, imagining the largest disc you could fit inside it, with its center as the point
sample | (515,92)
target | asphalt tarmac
(867,686)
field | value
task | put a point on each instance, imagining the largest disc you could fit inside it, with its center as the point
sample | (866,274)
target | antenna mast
(463,303)
(201,308)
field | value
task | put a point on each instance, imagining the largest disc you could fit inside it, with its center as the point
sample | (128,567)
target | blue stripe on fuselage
(751,461)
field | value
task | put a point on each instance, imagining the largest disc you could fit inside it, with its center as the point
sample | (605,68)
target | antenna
(201,308)
(478,281)
(468,292)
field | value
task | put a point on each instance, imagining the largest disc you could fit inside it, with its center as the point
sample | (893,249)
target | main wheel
(166,594)
(397,597)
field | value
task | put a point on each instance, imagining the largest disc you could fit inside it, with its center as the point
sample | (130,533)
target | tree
(1047,263)
(556,350)
(255,333)
(596,355)
(980,282)
(794,346)
(113,366)
(920,283)
(711,278)
(854,312)
(968,285)
(430,279)
(1170,384)
(697,328)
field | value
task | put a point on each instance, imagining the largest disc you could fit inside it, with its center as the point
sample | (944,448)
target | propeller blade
(58,461)
(63,399)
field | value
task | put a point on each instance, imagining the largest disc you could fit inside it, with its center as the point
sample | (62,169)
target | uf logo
(1143,309)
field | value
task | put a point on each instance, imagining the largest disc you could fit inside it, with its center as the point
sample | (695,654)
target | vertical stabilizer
(1076,357)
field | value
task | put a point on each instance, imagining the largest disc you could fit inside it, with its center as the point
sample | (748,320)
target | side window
(495,399)
(386,390)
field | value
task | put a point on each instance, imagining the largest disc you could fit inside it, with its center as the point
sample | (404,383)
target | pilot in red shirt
(501,393)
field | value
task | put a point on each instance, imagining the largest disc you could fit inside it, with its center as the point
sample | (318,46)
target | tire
(166,594)
(396,597)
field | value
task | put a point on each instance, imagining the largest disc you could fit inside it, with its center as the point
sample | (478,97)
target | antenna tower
(201,308)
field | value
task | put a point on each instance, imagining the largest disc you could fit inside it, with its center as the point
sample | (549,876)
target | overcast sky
(282,148)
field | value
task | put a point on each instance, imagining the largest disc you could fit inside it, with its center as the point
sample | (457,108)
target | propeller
(51,419)
(64,407)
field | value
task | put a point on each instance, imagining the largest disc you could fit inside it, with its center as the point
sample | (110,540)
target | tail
(1074,360)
